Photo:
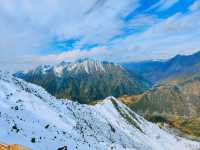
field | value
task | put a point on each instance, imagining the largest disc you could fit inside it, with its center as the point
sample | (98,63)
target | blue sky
(49,31)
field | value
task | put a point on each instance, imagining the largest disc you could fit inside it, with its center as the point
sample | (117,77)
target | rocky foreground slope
(30,116)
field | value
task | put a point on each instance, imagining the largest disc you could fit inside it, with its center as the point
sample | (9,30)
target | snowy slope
(31,117)
(88,66)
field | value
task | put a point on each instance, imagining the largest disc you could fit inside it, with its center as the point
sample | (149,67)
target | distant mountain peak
(156,72)
(90,66)
(86,65)
(42,69)
(63,63)
(83,65)
(86,80)
(80,60)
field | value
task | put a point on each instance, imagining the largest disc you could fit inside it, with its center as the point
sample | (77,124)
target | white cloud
(163,4)
(30,25)
(178,34)
(25,62)
(195,6)
(143,20)
(75,54)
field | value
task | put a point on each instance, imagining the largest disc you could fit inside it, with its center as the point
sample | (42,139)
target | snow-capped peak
(87,65)
(63,63)
(59,69)
(30,116)
(43,69)
(83,59)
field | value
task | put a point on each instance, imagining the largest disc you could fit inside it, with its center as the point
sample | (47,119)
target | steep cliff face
(31,117)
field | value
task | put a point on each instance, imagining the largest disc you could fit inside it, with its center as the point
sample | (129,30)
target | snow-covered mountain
(30,116)
(85,80)
(86,65)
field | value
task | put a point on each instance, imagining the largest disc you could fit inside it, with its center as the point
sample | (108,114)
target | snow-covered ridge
(30,116)
(43,69)
(88,66)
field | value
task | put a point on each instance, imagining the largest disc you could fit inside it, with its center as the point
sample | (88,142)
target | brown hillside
(178,98)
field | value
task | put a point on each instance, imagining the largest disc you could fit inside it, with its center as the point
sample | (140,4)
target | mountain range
(158,71)
(32,117)
(175,98)
(86,80)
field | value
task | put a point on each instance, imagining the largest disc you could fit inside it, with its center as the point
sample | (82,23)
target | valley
(175,99)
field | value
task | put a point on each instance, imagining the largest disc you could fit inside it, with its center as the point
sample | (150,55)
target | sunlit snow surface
(31,117)
(87,66)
